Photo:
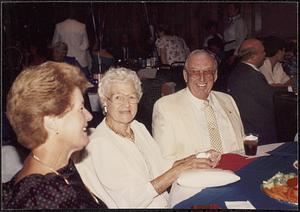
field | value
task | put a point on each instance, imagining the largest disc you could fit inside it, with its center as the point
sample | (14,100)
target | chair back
(151,93)
(167,88)
(177,75)
(285,107)
(163,73)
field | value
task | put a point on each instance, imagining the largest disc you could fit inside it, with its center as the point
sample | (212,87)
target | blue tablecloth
(248,188)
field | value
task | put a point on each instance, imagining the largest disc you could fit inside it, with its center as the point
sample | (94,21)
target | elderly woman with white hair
(122,164)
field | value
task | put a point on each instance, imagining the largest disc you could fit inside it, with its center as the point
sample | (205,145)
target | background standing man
(74,34)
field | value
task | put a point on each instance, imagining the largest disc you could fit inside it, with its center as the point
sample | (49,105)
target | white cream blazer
(176,128)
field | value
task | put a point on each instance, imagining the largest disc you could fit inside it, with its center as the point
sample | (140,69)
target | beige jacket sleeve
(162,131)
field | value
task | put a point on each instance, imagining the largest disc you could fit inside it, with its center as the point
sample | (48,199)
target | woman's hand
(192,162)
(165,180)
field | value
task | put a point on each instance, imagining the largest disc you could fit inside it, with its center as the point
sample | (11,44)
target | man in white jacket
(74,34)
(179,123)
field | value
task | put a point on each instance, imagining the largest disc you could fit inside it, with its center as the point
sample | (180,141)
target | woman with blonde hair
(45,108)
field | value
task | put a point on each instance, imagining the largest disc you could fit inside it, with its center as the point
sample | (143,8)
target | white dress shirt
(277,75)
(119,171)
(225,128)
(237,31)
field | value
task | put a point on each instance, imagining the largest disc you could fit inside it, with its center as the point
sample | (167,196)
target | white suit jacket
(74,34)
(175,127)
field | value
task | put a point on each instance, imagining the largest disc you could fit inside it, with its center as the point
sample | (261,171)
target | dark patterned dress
(49,191)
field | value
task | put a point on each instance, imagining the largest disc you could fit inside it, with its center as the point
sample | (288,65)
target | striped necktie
(213,130)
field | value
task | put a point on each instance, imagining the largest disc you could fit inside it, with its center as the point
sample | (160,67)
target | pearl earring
(104,111)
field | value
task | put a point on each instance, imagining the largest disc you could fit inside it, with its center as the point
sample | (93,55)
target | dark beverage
(250,147)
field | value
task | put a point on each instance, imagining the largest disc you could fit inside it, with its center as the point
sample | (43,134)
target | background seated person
(171,48)
(122,161)
(124,51)
(45,109)
(59,54)
(290,64)
(272,67)
(180,122)
(252,94)
(290,59)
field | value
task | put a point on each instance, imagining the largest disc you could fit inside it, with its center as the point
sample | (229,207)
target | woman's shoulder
(50,191)
(101,138)
(137,123)
(140,128)
(100,132)
(35,191)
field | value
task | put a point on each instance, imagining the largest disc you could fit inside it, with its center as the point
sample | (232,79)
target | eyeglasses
(197,74)
(120,98)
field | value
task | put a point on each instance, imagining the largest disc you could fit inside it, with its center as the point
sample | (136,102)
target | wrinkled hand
(192,162)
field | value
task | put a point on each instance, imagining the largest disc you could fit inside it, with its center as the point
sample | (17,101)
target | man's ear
(185,75)
(215,75)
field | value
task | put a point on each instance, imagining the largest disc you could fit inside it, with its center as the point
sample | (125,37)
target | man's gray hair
(201,51)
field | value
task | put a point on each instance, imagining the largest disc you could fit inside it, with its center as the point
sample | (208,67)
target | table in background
(252,176)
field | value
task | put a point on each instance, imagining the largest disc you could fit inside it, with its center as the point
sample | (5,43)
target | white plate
(204,178)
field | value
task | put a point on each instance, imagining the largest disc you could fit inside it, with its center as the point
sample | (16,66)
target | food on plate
(283,187)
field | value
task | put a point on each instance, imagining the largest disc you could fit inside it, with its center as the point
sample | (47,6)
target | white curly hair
(118,75)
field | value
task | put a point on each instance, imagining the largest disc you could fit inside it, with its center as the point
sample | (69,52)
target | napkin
(239,205)
(204,178)
(233,162)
